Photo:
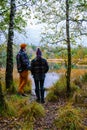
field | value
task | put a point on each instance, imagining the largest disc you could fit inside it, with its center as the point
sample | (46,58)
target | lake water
(50,79)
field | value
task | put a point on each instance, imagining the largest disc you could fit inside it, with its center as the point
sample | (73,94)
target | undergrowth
(69,118)
(59,89)
(21,109)
(30,113)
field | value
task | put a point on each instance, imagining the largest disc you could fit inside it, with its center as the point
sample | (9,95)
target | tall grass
(69,118)
(24,111)
(15,84)
(9,94)
(30,113)
(59,89)
(80,97)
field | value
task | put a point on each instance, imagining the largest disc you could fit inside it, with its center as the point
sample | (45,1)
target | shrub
(13,105)
(78,82)
(69,118)
(74,89)
(80,97)
(9,110)
(27,113)
(84,78)
(4,107)
(30,113)
(18,101)
(51,96)
(59,89)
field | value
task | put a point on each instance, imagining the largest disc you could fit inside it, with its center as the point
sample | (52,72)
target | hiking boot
(37,100)
(21,94)
(24,95)
(42,101)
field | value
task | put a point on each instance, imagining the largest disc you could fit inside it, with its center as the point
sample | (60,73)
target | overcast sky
(33,36)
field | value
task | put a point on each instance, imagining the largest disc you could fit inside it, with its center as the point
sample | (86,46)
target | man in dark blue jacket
(39,67)
(23,66)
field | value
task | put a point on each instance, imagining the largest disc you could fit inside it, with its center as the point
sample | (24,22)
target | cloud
(32,36)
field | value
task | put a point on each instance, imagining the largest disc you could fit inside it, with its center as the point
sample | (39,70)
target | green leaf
(46,0)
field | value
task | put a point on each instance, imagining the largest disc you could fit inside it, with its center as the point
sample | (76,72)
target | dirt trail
(47,123)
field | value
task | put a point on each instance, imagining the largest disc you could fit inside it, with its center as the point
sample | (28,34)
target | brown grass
(74,72)
(15,79)
(78,72)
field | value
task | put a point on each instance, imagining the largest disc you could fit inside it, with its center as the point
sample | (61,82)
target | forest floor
(44,123)
(47,122)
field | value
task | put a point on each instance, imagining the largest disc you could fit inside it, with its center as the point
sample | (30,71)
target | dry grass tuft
(15,80)
(78,72)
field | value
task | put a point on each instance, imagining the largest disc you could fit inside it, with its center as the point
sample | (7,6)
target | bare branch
(58,41)
(75,20)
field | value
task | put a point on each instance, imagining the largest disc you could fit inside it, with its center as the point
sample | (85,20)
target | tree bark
(68,75)
(2,100)
(9,60)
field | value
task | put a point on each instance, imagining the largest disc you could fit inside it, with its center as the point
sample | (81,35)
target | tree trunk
(2,100)
(9,61)
(68,75)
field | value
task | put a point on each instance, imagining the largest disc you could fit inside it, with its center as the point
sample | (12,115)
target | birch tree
(16,22)
(63,23)
(68,74)
(9,61)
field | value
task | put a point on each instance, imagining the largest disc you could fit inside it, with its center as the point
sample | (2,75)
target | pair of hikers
(39,67)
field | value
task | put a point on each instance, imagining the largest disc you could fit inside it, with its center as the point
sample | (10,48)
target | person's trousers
(39,89)
(23,77)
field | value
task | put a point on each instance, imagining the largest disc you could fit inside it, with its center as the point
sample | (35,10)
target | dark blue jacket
(39,67)
(22,61)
